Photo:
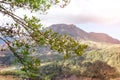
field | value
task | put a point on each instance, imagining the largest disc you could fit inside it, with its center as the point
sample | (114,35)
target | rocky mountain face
(80,34)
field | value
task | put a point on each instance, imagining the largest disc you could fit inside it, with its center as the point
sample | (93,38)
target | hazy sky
(83,11)
(90,15)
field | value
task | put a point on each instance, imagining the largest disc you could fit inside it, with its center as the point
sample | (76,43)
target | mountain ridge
(80,34)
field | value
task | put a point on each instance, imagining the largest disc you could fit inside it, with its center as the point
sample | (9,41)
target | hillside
(101,61)
(6,57)
(80,34)
(102,37)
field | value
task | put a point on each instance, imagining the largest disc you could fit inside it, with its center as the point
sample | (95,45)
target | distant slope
(1,42)
(80,34)
(6,56)
(102,37)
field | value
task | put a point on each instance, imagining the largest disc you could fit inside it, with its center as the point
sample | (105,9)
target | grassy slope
(99,61)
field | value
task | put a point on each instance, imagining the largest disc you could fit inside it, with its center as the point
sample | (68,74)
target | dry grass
(8,78)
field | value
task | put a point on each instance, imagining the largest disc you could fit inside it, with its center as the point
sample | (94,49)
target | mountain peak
(63,26)
(80,34)
(71,30)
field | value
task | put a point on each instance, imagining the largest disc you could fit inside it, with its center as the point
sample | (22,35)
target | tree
(25,34)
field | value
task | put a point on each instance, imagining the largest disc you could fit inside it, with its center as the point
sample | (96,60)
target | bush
(101,70)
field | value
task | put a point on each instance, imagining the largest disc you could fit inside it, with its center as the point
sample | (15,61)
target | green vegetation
(25,36)
(99,61)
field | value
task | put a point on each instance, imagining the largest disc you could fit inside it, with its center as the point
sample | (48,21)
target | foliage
(99,62)
(26,35)
(99,69)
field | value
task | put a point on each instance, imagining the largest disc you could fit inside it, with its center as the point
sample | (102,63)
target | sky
(101,16)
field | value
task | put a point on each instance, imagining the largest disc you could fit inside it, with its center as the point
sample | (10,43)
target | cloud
(84,11)
(77,19)
(80,11)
